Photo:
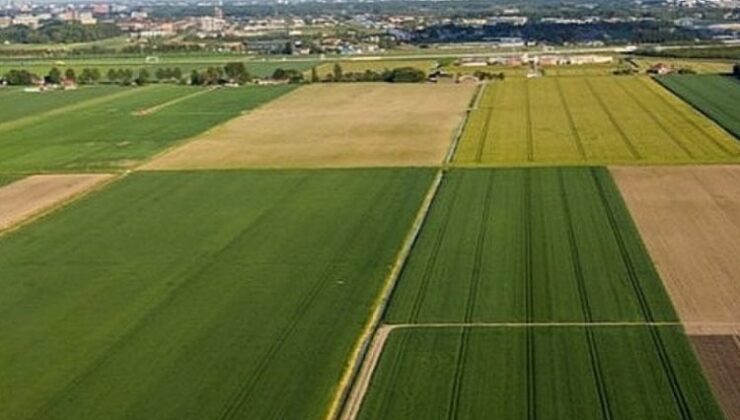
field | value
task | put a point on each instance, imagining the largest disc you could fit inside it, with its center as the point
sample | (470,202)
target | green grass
(6,179)
(198,295)
(717,97)
(109,134)
(24,104)
(539,372)
(588,121)
(529,245)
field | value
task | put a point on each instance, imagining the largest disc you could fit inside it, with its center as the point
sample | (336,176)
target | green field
(588,121)
(718,97)
(198,295)
(360,66)
(30,103)
(529,245)
(118,130)
(563,373)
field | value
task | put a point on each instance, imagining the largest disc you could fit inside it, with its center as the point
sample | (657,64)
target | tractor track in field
(159,107)
(324,278)
(571,121)
(627,142)
(530,134)
(679,397)
(593,350)
(486,126)
(691,122)
(462,354)
(529,293)
(654,119)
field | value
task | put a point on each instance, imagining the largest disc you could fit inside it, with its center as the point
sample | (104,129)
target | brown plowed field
(720,357)
(689,218)
(328,125)
(36,194)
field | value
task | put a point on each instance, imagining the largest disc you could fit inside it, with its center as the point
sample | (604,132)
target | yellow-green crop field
(699,66)
(588,121)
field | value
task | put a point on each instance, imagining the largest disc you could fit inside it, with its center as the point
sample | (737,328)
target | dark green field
(115,133)
(539,372)
(718,97)
(198,295)
(529,245)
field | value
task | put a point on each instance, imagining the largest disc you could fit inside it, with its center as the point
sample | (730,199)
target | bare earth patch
(35,194)
(689,218)
(720,357)
(334,125)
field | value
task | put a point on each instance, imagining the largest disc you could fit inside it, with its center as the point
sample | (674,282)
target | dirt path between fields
(157,108)
(37,194)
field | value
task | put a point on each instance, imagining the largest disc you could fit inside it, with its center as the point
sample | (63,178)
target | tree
(237,72)
(20,78)
(112,75)
(314,75)
(143,77)
(89,76)
(54,76)
(736,70)
(161,74)
(338,73)
(195,78)
(125,76)
(70,75)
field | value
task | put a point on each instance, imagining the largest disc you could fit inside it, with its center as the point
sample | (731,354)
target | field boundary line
(631,147)
(356,360)
(142,165)
(457,134)
(486,128)
(696,126)
(157,108)
(553,324)
(63,203)
(22,122)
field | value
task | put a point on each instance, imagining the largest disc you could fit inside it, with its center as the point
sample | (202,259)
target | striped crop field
(588,121)
(529,245)
(717,97)
(198,295)
(119,129)
(559,373)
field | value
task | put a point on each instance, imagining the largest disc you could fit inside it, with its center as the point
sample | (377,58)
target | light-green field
(702,66)
(589,121)
(718,97)
(22,104)
(558,373)
(198,295)
(118,130)
(529,245)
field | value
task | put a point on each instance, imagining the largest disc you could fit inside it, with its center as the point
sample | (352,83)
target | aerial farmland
(552,247)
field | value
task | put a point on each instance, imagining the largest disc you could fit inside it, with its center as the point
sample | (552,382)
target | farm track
(157,108)
(486,129)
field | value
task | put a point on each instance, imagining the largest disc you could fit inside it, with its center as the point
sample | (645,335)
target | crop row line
(679,398)
(631,147)
(232,409)
(571,121)
(654,118)
(593,350)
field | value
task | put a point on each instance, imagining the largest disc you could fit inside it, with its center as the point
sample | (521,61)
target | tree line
(58,33)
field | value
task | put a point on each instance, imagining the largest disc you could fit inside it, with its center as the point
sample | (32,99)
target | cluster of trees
(397,75)
(486,75)
(230,73)
(58,33)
